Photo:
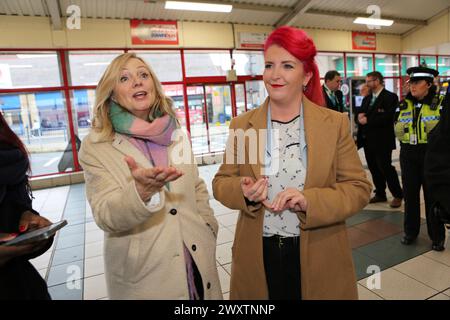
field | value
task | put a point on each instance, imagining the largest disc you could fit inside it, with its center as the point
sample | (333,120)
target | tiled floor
(74,268)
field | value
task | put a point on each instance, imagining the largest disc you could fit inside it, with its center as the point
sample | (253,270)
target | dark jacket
(18,278)
(14,195)
(339,97)
(437,160)
(378,133)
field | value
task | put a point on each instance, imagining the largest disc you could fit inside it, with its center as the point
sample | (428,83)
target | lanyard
(272,143)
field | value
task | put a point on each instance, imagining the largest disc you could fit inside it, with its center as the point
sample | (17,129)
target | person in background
(376,122)
(333,96)
(416,117)
(364,90)
(291,240)
(160,232)
(437,168)
(19,280)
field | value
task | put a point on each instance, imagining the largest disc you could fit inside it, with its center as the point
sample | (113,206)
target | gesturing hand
(150,180)
(255,191)
(362,119)
(290,198)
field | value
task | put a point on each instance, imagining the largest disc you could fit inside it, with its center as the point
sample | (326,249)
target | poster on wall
(364,40)
(252,40)
(154,32)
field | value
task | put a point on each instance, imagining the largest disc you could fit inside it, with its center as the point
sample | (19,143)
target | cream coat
(335,188)
(143,248)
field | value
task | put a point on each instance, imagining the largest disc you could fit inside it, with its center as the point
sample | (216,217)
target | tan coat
(335,188)
(143,248)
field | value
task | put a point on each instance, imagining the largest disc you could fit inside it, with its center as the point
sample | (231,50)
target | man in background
(376,122)
(333,96)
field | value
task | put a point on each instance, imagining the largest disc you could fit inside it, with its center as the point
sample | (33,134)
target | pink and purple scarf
(151,138)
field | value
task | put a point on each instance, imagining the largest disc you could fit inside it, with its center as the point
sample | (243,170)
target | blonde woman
(160,232)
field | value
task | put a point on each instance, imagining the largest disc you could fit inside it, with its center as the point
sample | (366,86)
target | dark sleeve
(13,166)
(365,104)
(362,109)
(15,201)
(386,118)
(437,163)
(397,111)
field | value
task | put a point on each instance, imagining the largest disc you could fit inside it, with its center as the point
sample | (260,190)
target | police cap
(421,73)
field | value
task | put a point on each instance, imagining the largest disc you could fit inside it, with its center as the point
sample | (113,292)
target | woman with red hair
(291,239)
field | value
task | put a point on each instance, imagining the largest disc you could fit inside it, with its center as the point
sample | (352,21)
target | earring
(305,87)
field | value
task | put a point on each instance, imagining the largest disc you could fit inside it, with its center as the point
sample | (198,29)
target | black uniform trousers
(282,267)
(380,166)
(412,162)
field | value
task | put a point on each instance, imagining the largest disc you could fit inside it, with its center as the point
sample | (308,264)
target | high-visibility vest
(428,118)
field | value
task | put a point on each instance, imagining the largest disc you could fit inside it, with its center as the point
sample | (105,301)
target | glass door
(256,93)
(218,103)
(198,119)
(240,98)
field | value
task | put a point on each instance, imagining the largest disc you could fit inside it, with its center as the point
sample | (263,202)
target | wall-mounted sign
(252,40)
(154,32)
(364,40)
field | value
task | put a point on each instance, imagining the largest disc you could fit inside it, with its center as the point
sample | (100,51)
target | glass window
(240,98)
(27,70)
(387,64)
(166,64)
(199,131)
(82,109)
(249,63)
(330,61)
(87,67)
(392,85)
(218,100)
(40,120)
(175,91)
(256,93)
(444,66)
(408,62)
(359,65)
(429,61)
(207,63)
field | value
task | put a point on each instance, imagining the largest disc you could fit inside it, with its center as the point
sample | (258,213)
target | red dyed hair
(301,46)
(9,137)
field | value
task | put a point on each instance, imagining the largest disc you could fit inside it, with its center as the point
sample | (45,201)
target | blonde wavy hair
(101,122)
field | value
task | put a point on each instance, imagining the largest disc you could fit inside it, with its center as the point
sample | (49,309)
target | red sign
(154,32)
(364,40)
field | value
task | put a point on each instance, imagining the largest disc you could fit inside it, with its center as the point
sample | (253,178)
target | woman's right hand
(255,191)
(150,180)
(10,252)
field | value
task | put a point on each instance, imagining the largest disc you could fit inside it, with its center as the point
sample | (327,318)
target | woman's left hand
(291,199)
(30,221)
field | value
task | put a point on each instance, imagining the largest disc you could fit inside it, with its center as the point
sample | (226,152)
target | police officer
(416,116)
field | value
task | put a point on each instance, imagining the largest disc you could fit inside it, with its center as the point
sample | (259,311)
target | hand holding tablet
(35,235)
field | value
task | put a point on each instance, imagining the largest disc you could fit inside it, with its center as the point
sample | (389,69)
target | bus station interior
(50,65)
